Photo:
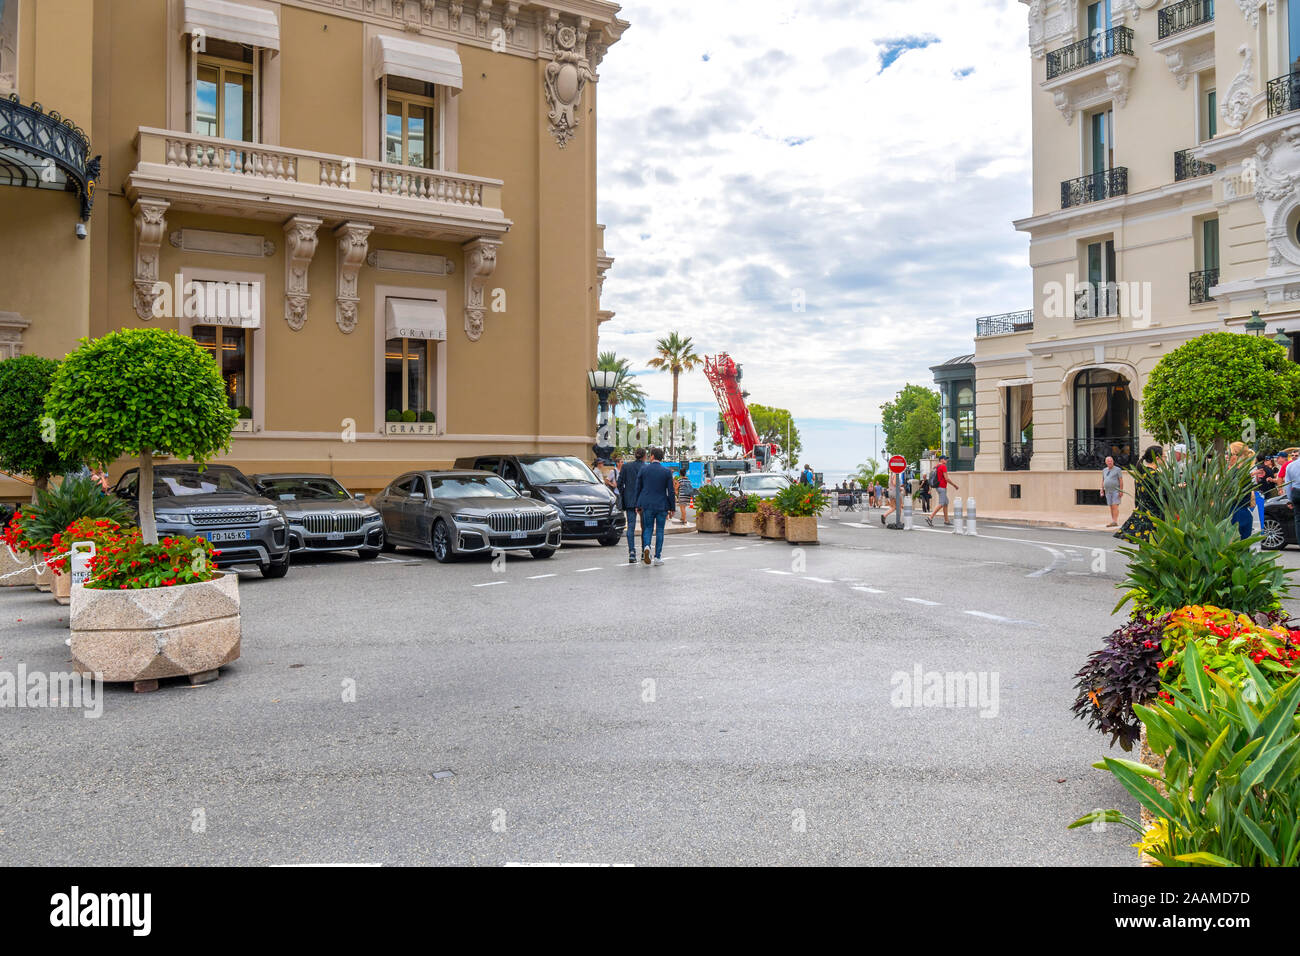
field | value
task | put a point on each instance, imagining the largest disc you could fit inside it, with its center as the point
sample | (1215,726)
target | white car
(763,484)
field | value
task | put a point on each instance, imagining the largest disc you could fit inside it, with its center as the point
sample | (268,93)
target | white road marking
(922,601)
(585,570)
(693,554)
(774,571)
(869,590)
(990,617)
(740,547)
(821,580)
(488,584)
(535,577)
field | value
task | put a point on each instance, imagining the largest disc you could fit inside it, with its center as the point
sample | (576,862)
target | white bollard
(970,515)
(907,512)
(956,517)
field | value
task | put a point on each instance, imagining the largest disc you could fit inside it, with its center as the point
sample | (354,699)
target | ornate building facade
(368,211)
(1163,208)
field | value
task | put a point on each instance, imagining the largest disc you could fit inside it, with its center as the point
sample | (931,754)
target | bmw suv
(587,505)
(220,504)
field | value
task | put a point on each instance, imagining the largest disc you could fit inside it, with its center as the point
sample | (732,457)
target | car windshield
(211,480)
(764,483)
(305,489)
(471,486)
(549,471)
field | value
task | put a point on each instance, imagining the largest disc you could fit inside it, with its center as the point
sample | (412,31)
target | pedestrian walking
(806,478)
(925,493)
(627,493)
(1244,514)
(684,490)
(1112,488)
(654,498)
(941,484)
(1139,525)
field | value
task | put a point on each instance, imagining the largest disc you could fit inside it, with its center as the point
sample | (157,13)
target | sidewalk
(1030,519)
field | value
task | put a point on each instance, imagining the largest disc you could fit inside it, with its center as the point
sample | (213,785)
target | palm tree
(867,471)
(626,390)
(676,355)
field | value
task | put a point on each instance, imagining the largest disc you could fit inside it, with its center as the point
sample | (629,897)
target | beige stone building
(365,210)
(1166,200)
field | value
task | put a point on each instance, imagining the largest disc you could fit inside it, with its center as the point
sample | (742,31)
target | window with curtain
(229,349)
(1103,406)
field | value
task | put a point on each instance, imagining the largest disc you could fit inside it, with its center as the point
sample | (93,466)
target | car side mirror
(512,483)
(526,493)
(359,496)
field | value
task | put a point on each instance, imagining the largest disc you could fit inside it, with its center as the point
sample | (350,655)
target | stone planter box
(189,630)
(16,568)
(708,522)
(62,588)
(801,530)
(744,523)
(773,528)
(44,576)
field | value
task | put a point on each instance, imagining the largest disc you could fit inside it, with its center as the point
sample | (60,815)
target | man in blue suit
(627,495)
(654,497)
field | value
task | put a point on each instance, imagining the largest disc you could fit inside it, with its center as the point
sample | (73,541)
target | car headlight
(173,517)
(472,519)
(268,511)
(374,517)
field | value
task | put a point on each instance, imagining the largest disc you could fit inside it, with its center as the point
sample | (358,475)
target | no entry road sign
(898,464)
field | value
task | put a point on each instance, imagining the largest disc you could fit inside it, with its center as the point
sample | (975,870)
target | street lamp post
(602,382)
(1255,325)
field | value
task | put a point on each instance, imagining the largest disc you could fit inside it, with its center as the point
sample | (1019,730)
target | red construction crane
(724,375)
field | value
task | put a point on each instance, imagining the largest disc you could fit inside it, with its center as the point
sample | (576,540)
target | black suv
(587,505)
(220,504)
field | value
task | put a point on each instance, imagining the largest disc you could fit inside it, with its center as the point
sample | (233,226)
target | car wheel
(275,570)
(440,542)
(611,540)
(544,552)
(367,554)
(1274,536)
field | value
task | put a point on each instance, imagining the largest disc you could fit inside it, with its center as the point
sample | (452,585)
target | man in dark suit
(627,495)
(654,497)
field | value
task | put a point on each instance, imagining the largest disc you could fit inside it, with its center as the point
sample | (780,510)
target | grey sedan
(465,512)
(322,515)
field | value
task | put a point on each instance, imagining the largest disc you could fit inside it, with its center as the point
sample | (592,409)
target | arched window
(1104,420)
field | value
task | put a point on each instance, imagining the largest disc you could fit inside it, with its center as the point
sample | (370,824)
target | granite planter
(16,568)
(44,575)
(708,522)
(744,523)
(801,530)
(62,588)
(189,630)
(773,528)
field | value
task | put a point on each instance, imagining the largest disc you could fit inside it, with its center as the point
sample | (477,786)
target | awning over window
(416,319)
(398,56)
(1010,382)
(236,22)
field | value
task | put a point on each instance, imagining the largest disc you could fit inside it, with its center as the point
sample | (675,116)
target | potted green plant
(744,514)
(140,392)
(801,504)
(771,523)
(17,568)
(27,436)
(707,500)
(75,499)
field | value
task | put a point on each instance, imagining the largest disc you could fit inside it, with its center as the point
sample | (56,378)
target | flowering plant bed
(130,564)
(771,523)
(1224,641)
(801,501)
(103,531)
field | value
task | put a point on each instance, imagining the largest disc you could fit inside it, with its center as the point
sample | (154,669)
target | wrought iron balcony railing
(1284,94)
(1016,455)
(1004,324)
(1188,167)
(1088,454)
(1117,41)
(48,136)
(1096,300)
(1199,285)
(1183,16)
(1094,187)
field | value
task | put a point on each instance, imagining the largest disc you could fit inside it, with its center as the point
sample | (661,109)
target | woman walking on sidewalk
(1139,526)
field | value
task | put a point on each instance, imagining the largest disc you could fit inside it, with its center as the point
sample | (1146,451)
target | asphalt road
(731,707)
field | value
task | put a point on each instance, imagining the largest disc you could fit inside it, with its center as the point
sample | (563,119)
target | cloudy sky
(822,188)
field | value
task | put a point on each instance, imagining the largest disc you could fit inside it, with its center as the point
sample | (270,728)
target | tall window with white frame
(412,123)
(1098,24)
(224,91)
(1099,295)
(1206,275)
(409,379)
(229,348)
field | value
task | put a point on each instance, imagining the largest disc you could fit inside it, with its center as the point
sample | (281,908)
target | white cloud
(749,151)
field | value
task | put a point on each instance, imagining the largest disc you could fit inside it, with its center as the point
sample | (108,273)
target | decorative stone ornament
(1250,10)
(1236,105)
(480,263)
(353,239)
(566,76)
(299,247)
(150,228)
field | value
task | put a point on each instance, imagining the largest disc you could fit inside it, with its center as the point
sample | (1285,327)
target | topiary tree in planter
(27,443)
(1222,386)
(139,392)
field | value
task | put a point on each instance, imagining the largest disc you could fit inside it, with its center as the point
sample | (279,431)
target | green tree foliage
(27,445)
(1223,386)
(137,392)
(771,424)
(626,390)
(911,421)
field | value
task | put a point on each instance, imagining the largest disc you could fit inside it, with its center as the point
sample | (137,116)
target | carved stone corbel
(566,76)
(455,9)
(150,227)
(484,16)
(353,239)
(480,263)
(509,19)
(1062,101)
(299,247)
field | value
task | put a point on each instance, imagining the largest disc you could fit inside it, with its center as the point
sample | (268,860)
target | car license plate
(334,536)
(227,536)
(518,534)
(590,524)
